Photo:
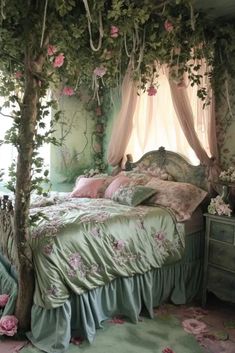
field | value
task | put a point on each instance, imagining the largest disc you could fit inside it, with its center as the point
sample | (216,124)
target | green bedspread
(86,243)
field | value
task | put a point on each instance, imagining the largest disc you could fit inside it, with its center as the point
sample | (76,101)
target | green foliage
(142,37)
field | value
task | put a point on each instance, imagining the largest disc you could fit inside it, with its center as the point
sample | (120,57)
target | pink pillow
(89,187)
(119,181)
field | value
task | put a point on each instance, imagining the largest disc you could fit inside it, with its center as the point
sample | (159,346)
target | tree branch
(6,115)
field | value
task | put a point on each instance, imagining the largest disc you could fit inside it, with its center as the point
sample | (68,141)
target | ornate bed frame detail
(172,163)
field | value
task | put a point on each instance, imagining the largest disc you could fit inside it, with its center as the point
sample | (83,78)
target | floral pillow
(153,171)
(90,187)
(116,183)
(136,177)
(181,198)
(133,195)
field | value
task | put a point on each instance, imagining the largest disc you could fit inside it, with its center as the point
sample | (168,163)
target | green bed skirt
(51,329)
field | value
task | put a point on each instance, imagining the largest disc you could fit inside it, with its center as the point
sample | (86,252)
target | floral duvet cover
(86,243)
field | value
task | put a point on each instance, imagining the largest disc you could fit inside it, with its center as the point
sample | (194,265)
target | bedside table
(219,261)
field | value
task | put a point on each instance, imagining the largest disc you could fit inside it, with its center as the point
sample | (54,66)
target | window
(155,123)
(8,153)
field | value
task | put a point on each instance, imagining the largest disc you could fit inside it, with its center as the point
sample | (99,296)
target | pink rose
(8,325)
(181,84)
(114,32)
(151,91)
(68,91)
(194,326)
(168,26)
(18,75)
(59,60)
(167,350)
(3,300)
(51,49)
(98,111)
(100,71)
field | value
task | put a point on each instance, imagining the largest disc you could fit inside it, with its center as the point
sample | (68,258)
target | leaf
(220,335)
(229,324)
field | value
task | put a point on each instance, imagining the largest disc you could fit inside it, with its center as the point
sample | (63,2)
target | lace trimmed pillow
(181,198)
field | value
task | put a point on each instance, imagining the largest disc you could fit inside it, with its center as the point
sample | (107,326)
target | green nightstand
(219,261)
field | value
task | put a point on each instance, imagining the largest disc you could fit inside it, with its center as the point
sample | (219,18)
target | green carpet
(148,336)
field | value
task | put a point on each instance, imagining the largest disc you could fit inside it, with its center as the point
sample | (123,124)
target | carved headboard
(172,163)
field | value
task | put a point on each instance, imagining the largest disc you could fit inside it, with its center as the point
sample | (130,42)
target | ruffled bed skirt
(51,329)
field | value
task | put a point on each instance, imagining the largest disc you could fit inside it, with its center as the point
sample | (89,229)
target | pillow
(132,195)
(153,171)
(181,198)
(101,175)
(118,181)
(136,177)
(89,187)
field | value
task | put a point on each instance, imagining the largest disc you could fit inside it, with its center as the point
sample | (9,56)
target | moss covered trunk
(27,130)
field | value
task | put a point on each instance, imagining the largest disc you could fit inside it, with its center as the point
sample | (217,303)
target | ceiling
(217,8)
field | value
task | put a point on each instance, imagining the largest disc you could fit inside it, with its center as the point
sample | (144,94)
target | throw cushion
(133,195)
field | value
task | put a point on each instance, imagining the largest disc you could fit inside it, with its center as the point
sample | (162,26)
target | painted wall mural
(225,121)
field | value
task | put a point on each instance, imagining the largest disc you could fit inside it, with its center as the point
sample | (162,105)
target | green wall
(225,118)
(79,128)
(76,154)
(112,108)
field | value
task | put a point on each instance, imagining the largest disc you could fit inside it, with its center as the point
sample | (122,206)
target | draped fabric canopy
(173,118)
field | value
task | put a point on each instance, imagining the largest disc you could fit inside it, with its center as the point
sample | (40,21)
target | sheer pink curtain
(124,122)
(189,108)
(174,118)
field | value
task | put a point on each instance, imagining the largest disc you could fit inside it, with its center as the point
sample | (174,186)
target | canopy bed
(99,257)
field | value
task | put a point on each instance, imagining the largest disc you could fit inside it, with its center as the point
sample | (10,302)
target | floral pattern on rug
(215,333)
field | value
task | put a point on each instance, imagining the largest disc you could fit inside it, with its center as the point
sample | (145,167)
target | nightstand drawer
(221,283)
(222,255)
(223,232)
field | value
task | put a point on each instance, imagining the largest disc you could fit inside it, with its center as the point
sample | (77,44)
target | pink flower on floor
(114,32)
(151,91)
(3,300)
(77,340)
(168,350)
(59,60)
(51,49)
(194,326)
(8,325)
(68,91)
(18,75)
(168,26)
(100,71)
(117,320)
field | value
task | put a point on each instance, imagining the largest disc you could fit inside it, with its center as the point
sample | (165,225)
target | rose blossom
(8,325)
(100,71)
(194,326)
(3,300)
(18,75)
(68,91)
(167,350)
(151,91)
(168,26)
(51,49)
(114,32)
(59,60)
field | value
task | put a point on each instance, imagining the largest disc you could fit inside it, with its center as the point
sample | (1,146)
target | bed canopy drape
(137,123)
